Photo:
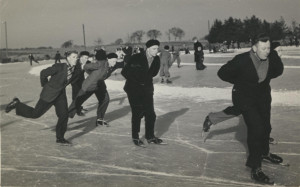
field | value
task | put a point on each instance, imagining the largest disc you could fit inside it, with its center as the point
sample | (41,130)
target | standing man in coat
(57,57)
(250,73)
(139,73)
(165,64)
(31,58)
(53,93)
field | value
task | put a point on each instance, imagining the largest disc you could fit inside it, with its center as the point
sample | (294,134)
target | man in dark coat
(250,73)
(53,93)
(139,72)
(214,118)
(76,86)
(57,57)
(31,58)
(94,84)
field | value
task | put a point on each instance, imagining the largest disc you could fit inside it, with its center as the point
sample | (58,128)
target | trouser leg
(226,114)
(61,109)
(29,112)
(265,111)
(150,115)
(255,135)
(81,98)
(135,101)
(103,99)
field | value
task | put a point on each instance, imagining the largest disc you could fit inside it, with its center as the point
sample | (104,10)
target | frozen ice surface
(105,156)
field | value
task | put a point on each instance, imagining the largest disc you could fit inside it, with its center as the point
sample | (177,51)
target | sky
(37,23)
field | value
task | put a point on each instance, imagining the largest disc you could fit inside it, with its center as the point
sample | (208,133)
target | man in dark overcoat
(53,93)
(139,72)
(250,73)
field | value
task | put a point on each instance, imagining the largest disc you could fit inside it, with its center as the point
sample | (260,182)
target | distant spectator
(31,58)
(120,59)
(165,64)
(187,50)
(176,57)
(199,56)
(128,52)
(296,41)
(57,57)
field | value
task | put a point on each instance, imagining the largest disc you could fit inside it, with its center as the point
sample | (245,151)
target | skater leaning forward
(251,73)
(139,72)
(53,93)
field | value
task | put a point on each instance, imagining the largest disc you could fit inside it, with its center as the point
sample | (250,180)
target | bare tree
(67,44)
(119,41)
(153,34)
(168,33)
(180,33)
(138,35)
(98,42)
(177,32)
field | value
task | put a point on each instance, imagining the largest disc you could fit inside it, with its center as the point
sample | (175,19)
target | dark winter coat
(138,74)
(53,87)
(241,72)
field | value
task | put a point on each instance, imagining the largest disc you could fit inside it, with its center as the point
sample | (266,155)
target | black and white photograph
(140,93)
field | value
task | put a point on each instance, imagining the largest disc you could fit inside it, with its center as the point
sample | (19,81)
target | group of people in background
(250,73)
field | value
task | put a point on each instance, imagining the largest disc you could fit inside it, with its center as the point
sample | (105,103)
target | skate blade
(273,143)
(204,135)
(281,164)
(65,145)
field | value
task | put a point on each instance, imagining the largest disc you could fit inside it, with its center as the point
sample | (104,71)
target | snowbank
(197,94)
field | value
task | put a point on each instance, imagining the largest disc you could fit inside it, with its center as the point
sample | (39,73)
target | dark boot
(258,175)
(207,123)
(12,105)
(273,158)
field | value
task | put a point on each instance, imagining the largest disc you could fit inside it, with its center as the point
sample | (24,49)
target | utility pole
(83,36)
(208,27)
(5,37)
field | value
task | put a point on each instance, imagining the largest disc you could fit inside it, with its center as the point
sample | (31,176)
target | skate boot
(273,158)
(12,105)
(138,142)
(258,175)
(207,123)
(101,122)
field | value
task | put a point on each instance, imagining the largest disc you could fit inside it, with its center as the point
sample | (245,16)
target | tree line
(238,30)
(174,33)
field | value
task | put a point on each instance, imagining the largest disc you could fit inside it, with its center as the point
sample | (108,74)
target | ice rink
(106,156)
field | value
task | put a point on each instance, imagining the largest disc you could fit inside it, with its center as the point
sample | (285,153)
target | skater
(57,57)
(128,52)
(53,93)
(165,64)
(121,55)
(214,118)
(176,57)
(76,86)
(139,73)
(97,71)
(199,58)
(31,58)
(250,73)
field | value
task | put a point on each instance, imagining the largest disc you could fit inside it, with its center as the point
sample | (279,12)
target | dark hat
(68,53)
(152,42)
(166,47)
(261,37)
(112,55)
(82,53)
(100,55)
(274,45)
